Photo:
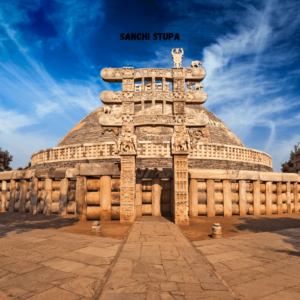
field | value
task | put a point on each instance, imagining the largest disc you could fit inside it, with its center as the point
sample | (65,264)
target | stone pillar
(143,84)
(181,201)
(138,198)
(127,207)
(256,198)
(295,192)
(80,197)
(210,195)
(242,197)
(143,106)
(164,107)
(163,83)
(288,198)
(22,200)
(33,195)
(227,198)
(156,196)
(193,195)
(279,198)
(172,198)
(63,198)
(3,196)
(269,198)
(48,196)
(105,198)
(12,196)
(153,83)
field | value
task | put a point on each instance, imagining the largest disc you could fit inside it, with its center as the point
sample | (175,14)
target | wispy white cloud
(242,79)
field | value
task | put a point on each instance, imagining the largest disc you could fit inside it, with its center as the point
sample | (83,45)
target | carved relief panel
(128,108)
(178,84)
(128,85)
(179,108)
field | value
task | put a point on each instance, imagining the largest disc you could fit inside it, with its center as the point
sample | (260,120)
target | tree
(5,159)
(27,167)
(286,167)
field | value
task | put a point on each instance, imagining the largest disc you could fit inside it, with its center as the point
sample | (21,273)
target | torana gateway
(152,149)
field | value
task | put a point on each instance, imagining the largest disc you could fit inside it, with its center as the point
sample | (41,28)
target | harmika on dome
(152,149)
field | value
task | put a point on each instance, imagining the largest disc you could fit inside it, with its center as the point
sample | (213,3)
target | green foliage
(5,159)
(286,167)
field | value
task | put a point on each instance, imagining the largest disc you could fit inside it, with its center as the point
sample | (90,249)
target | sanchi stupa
(151,149)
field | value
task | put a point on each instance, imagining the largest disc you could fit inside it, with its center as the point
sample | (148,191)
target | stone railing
(149,149)
(228,152)
(92,191)
(74,152)
(218,192)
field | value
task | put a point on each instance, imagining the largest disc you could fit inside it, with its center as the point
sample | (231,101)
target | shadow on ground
(201,228)
(20,222)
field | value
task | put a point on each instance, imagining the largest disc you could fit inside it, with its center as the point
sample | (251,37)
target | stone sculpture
(196,64)
(127,141)
(177,55)
(197,85)
(106,109)
(180,139)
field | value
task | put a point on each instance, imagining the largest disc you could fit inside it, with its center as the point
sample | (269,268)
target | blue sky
(52,53)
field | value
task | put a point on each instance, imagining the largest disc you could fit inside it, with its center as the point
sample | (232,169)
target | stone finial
(177,55)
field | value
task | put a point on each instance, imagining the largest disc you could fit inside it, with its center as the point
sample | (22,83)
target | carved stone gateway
(133,98)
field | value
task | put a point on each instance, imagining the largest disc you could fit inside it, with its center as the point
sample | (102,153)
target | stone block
(242,175)
(207,174)
(29,174)
(72,172)
(57,173)
(6,175)
(18,174)
(42,173)
(101,169)
(289,177)
(268,176)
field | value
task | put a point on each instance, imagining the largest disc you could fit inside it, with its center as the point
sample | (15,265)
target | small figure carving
(195,137)
(180,139)
(127,119)
(180,119)
(128,95)
(198,85)
(127,141)
(196,64)
(177,55)
(117,96)
(106,110)
(189,85)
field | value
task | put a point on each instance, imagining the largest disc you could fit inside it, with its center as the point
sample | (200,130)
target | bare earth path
(158,262)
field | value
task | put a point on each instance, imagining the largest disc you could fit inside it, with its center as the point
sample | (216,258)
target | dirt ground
(66,224)
(201,228)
